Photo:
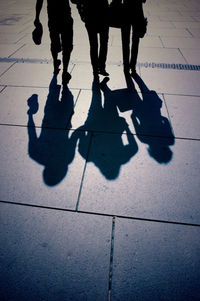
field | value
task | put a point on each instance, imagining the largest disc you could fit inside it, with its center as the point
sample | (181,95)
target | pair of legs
(62,40)
(129,61)
(98,53)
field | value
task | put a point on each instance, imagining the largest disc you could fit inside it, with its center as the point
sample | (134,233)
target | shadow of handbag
(37,34)
(116,14)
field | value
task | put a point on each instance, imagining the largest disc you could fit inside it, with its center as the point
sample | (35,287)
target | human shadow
(108,149)
(150,126)
(53,148)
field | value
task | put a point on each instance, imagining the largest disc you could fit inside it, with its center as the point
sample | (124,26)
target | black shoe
(103,72)
(66,78)
(56,66)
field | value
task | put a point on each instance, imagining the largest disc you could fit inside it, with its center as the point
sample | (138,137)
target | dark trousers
(61,36)
(98,53)
(129,61)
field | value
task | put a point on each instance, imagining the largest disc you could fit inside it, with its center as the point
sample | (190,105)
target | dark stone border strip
(152,65)
(170,66)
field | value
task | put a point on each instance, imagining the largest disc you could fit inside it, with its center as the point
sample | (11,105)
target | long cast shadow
(151,127)
(54,148)
(108,150)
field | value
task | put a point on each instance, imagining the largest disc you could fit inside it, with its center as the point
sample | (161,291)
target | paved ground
(99,188)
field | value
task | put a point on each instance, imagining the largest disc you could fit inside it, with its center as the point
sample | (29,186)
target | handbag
(116,14)
(142,27)
(37,34)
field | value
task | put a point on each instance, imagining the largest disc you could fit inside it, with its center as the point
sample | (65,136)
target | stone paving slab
(154,261)
(153,179)
(188,25)
(184,112)
(40,166)
(10,38)
(169,81)
(176,17)
(191,55)
(81,56)
(30,75)
(33,51)
(195,32)
(52,107)
(169,32)
(162,55)
(17,29)
(6,50)
(160,24)
(47,255)
(181,42)
(149,41)
(4,67)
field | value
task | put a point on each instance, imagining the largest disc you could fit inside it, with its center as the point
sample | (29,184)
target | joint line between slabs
(101,214)
(111,258)
(84,170)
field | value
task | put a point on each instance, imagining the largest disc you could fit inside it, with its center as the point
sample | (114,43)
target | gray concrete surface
(100,191)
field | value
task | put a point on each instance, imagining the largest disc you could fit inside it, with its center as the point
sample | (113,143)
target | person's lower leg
(125,33)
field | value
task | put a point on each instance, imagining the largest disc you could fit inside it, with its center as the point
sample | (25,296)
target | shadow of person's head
(33,104)
(54,172)
(161,153)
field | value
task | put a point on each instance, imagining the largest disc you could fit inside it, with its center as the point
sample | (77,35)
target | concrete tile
(153,18)
(53,255)
(160,24)
(195,32)
(154,261)
(114,55)
(191,56)
(176,18)
(172,81)
(2,88)
(166,32)
(82,76)
(7,50)
(184,115)
(40,166)
(173,42)
(4,67)
(34,51)
(25,75)
(51,107)
(197,18)
(10,38)
(188,25)
(158,55)
(80,34)
(117,79)
(147,41)
(80,56)
(150,179)
(165,14)
(17,29)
